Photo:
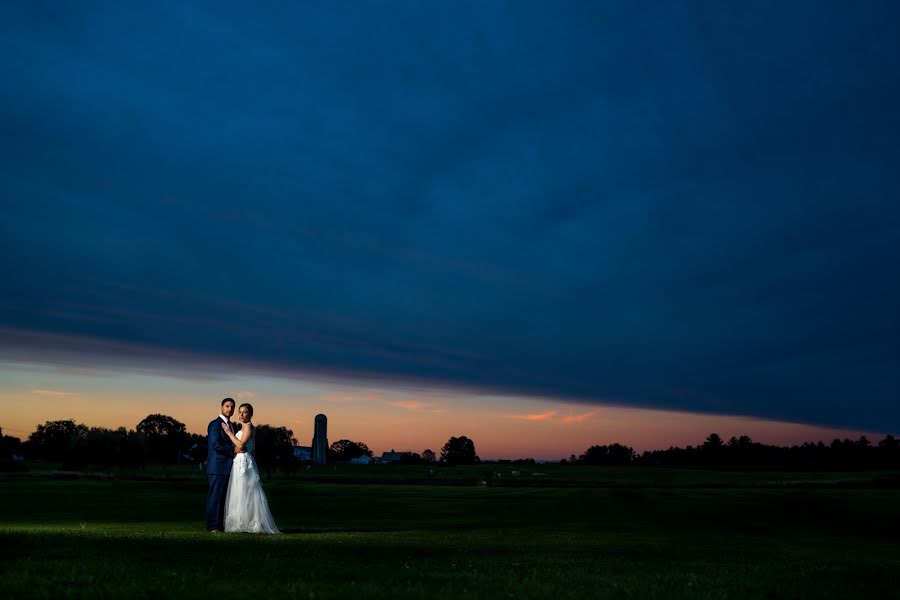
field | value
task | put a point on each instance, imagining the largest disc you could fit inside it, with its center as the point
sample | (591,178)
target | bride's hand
(225,428)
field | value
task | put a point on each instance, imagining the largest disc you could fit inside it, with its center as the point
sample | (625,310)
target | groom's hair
(227,400)
(249,407)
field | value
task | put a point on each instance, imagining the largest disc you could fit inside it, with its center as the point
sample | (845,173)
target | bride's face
(244,415)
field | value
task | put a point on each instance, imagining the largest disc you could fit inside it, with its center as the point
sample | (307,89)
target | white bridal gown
(246,507)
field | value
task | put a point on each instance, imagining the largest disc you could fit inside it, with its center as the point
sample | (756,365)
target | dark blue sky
(660,204)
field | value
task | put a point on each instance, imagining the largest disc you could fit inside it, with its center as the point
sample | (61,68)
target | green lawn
(93,536)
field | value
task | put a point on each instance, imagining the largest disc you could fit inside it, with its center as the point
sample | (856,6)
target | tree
(165,437)
(347,450)
(197,448)
(459,451)
(102,446)
(410,458)
(132,448)
(889,443)
(889,449)
(9,445)
(713,442)
(60,441)
(275,448)
(119,446)
(428,457)
(612,455)
(712,449)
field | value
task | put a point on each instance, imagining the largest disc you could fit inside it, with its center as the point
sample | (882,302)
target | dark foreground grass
(90,537)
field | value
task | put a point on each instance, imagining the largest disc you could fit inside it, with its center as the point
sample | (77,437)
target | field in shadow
(93,536)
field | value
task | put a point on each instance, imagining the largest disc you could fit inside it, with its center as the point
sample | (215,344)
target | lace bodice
(250,447)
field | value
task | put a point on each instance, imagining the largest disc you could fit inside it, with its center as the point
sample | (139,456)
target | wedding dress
(246,507)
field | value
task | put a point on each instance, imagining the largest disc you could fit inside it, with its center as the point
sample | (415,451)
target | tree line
(158,439)
(164,440)
(742,451)
(457,451)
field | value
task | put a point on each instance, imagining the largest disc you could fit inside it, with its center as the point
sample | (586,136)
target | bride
(246,507)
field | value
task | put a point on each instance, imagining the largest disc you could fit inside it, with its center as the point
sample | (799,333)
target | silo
(320,440)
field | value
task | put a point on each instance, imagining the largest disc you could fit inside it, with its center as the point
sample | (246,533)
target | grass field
(406,533)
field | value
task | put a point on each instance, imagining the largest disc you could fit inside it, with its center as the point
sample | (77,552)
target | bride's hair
(249,408)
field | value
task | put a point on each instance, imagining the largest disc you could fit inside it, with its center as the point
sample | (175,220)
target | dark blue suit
(218,469)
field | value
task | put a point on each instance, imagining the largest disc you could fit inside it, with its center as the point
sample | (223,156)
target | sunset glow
(385,418)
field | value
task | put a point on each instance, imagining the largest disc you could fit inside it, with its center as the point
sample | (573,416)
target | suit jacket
(221,448)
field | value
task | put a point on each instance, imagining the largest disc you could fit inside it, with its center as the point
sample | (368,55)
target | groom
(218,466)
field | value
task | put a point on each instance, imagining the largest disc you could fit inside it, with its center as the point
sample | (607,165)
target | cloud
(570,418)
(341,399)
(415,405)
(245,395)
(553,416)
(546,416)
(350,398)
(521,213)
(54,394)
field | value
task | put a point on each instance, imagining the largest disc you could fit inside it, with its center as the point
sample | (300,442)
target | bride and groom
(236,501)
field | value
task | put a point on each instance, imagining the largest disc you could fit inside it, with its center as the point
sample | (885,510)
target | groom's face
(228,409)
